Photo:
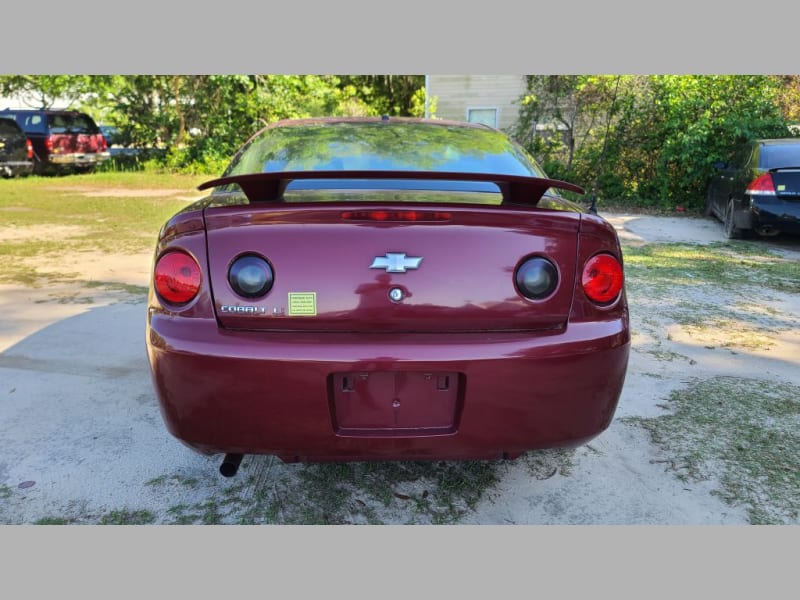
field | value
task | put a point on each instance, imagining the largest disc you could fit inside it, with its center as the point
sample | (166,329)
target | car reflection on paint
(386,289)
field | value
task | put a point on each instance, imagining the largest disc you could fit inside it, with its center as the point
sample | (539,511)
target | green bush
(647,140)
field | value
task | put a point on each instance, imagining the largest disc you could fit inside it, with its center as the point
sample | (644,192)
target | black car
(758,190)
(16,152)
(62,140)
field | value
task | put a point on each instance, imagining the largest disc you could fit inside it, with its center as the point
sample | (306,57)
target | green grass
(128,517)
(729,266)
(132,180)
(52,521)
(667,355)
(544,464)
(64,201)
(441,492)
(342,493)
(63,219)
(189,482)
(409,492)
(744,433)
(706,290)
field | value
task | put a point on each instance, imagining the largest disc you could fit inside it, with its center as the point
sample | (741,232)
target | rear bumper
(271,393)
(13,168)
(79,158)
(775,214)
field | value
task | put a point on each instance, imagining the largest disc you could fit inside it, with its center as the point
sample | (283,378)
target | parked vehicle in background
(119,147)
(758,189)
(111,134)
(16,152)
(62,140)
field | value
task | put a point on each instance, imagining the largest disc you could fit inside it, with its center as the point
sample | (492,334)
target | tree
(396,95)
(204,119)
(46,91)
(697,120)
(788,96)
(651,139)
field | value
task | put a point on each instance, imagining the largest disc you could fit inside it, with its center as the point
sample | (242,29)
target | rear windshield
(780,155)
(385,146)
(382,147)
(71,123)
(8,127)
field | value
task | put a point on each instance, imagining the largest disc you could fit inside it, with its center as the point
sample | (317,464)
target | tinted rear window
(8,127)
(71,123)
(388,146)
(780,155)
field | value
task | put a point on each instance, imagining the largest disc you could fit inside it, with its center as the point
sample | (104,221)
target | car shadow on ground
(84,442)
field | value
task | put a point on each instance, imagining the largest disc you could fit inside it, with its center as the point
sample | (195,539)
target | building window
(486,116)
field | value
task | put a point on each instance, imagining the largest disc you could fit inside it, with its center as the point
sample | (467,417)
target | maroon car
(386,289)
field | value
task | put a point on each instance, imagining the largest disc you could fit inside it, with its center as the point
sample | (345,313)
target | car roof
(778,141)
(381,119)
(49,111)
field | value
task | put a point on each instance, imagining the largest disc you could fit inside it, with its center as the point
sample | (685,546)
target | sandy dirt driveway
(82,440)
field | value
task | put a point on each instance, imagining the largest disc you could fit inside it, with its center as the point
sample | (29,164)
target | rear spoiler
(270,186)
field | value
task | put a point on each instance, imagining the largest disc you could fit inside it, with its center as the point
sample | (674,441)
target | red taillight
(762,184)
(602,278)
(29,146)
(177,277)
(103,143)
(48,143)
(395,215)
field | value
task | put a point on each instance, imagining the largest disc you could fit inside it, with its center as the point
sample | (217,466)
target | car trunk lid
(336,269)
(787,183)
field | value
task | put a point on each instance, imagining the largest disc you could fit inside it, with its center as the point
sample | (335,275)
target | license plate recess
(395,402)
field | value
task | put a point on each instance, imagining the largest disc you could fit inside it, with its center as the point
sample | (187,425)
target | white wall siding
(456,93)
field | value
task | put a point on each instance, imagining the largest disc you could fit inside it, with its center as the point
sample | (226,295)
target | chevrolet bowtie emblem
(395,262)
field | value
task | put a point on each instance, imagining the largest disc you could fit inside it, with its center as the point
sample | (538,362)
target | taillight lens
(251,276)
(177,277)
(395,215)
(602,278)
(536,278)
(762,184)
(29,146)
(48,143)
